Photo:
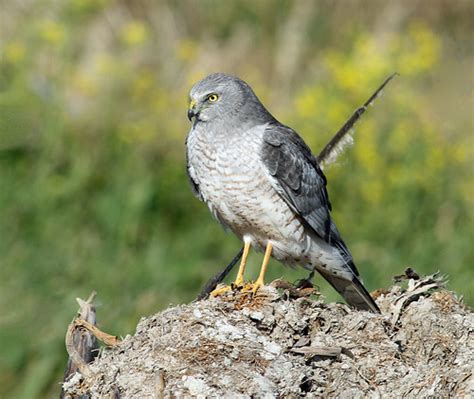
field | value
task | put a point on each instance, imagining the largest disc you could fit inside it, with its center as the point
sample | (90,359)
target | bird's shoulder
(283,148)
(277,135)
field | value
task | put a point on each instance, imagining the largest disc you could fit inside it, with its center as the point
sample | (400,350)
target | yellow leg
(240,274)
(266,259)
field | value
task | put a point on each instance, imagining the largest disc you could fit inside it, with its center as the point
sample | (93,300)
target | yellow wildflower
(52,32)
(134,33)
(15,52)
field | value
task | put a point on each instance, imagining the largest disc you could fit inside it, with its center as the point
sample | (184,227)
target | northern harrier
(260,180)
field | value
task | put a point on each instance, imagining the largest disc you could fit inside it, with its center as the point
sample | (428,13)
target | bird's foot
(239,282)
(257,285)
(244,287)
(252,287)
(220,289)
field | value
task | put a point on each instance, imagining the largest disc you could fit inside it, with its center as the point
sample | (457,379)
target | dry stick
(160,384)
(325,157)
(82,345)
(414,290)
(107,339)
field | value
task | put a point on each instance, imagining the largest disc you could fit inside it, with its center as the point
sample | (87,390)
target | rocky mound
(288,343)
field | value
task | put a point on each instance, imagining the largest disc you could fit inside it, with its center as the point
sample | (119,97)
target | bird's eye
(212,98)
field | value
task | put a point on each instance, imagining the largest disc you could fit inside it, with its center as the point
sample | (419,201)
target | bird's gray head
(223,97)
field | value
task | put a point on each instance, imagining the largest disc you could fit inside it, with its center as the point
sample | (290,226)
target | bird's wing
(191,176)
(297,177)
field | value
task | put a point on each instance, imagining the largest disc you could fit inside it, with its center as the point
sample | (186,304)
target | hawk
(261,181)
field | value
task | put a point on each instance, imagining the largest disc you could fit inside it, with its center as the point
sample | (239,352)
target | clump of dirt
(282,345)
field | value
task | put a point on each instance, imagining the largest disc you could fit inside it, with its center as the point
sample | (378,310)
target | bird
(261,181)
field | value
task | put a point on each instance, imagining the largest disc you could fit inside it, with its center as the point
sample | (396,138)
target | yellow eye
(213,98)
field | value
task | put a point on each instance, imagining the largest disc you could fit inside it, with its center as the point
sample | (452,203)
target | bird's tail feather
(353,291)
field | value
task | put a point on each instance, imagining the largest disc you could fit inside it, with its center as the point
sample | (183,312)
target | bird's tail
(353,291)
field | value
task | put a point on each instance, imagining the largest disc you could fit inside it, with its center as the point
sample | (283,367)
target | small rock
(258,316)
(196,386)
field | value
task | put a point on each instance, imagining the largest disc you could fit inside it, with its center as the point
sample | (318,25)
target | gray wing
(190,173)
(296,176)
(299,180)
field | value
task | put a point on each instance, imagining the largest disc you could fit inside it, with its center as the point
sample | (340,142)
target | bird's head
(221,97)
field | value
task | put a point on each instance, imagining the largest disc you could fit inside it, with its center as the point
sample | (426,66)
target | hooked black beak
(191,114)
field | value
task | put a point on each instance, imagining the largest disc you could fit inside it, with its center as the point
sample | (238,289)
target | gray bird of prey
(260,180)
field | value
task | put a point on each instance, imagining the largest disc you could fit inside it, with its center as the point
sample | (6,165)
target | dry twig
(81,339)
(413,292)
(80,345)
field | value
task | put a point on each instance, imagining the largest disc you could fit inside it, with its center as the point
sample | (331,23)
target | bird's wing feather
(297,177)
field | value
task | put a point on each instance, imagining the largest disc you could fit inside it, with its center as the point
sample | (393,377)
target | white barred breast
(233,183)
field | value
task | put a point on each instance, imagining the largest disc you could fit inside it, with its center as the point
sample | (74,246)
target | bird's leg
(240,274)
(266,259)
(221,289)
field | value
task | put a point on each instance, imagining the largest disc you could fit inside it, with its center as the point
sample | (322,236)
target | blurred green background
(93,191)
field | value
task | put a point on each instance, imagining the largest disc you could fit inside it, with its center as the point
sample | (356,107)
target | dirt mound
(284,343)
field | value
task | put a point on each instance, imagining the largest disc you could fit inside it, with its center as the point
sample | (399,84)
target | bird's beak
(192,110)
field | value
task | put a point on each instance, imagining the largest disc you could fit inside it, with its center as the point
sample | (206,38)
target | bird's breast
(234,184)
(225,166)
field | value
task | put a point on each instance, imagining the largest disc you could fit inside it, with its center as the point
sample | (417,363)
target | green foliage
(93,192)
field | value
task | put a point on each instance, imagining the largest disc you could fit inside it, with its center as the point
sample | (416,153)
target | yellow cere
(192,104)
